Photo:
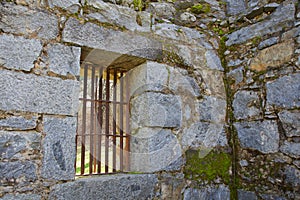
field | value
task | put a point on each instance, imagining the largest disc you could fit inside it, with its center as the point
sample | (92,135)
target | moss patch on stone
(200,8)
(213,165)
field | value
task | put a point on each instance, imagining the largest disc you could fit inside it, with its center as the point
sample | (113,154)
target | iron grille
(102,140)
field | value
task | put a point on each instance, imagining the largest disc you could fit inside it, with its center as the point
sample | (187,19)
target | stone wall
(214,97)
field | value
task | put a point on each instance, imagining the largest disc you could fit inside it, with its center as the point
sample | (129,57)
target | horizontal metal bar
(127,135)
(103,101)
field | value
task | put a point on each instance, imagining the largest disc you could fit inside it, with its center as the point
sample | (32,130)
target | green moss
(200,8)
(138,4)
(210,167)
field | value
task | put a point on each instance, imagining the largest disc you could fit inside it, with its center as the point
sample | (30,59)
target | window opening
(102,139)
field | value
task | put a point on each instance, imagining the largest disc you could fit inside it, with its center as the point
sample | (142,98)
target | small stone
(268,42)
(235,7)
(262,136)
(164,10)
(247,195)
(65,4)
(220,192)
(18,122)
(287,85)
(244,163)
(19,53)
(212,109)
(291,148)
(18,170)
(59,148)
(236,75)
(246,104)
(213,61)
(21,197)
(292,176)
(291,122)
(64,60)
(187,17)
(265,58)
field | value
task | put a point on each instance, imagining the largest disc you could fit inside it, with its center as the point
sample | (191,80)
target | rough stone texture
(291,122)
(235,7)
(216,192)
(284,92)
(213,60)
(290,148)
(273,56)
(14,144)
(107,187)
(236,75)
(62,3)
(278,20)
(292,176)
(213,83)
(271,197)
(164,10)
(59,148)
(262,136)
(150,76)
(18,123)
(160,110)
(212,109)
(18,52)
(64,60)
(246,104)
(93,36)
(204,135)
(114,14)
(26,171)
(20,20)
(155,149)
(21,197)
(246,195)
(27,92)
(268,42)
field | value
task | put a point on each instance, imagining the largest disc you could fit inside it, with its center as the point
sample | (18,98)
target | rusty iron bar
(91,159)
(100,119)
(84,119)
(95,155)
(107,93)
(121,123)
(127,118)
(114,118)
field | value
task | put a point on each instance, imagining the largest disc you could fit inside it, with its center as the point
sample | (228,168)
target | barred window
(103,133)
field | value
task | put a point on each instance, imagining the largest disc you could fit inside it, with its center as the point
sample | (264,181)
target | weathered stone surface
(172,185)
(291,148)
(64,60)
(262,136)
(236,75)
(292,176)
(284,92)
(150,76)
(94,36)
(21,197)
(268,42)
(204,134)
(156,110)
(235,7)
(187,17)
(62,3)
(273,56)
(114,14)
(13,144)
(18,170)
(247,195)
(212,109)
(107,187)
(27,92)
(246,104)
(18,123)
(213,83)
(164,10)
(155,149)
(59,148)
(18,52)
(291,122)
(271,197)
(220,192)
(20,20)
(213,61)
(277,21)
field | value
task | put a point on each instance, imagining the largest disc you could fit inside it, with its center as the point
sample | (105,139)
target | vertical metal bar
(121,121)
(95,155)
(76,141)
(100,119)
(107,88)
(127,123)
(92,120)
(84,119)
(114,119)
